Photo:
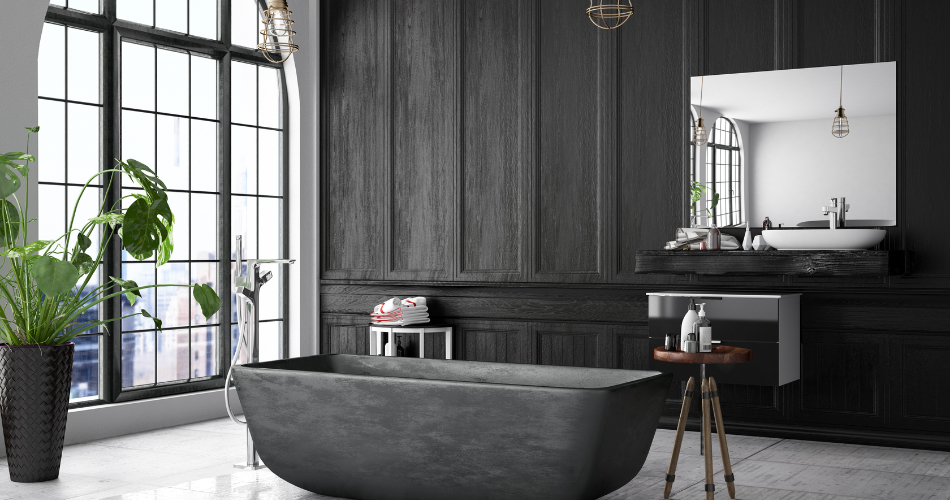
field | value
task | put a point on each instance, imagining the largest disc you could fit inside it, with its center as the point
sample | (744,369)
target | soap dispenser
(703,330)
(747,240)
(687,327)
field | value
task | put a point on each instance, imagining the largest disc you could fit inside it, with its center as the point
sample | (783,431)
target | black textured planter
(34,403)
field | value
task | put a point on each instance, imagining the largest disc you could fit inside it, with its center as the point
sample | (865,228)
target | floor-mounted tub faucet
(837,213)
(247,287)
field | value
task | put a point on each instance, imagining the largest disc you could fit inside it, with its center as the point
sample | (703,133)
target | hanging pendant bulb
(610,16)
(840,127)
(278,33)
(700,134)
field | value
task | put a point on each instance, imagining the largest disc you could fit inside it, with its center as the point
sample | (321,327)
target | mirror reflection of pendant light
(278,33)
(700,134)
(840,128)
(610,16)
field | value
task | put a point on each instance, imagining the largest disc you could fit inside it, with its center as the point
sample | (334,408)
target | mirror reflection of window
(724,174)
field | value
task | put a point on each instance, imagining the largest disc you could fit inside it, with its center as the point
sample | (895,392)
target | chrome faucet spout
(836,212)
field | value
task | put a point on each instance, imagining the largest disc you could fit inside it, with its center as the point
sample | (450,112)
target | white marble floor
(193,462)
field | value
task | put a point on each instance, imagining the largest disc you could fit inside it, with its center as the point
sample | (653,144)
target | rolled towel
(414,302)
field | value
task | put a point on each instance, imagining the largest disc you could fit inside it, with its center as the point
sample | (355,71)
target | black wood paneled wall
(507,159)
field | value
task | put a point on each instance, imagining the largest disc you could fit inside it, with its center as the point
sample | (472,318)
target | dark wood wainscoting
(508,159)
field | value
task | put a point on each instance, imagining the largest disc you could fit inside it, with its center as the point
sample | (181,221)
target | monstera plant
(43,299)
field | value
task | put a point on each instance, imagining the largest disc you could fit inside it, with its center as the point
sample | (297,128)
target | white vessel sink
(823,239)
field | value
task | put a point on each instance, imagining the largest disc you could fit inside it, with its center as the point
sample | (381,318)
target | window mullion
(224,205)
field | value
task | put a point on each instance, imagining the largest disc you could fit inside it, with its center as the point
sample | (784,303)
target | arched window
(180,87)
(724,174)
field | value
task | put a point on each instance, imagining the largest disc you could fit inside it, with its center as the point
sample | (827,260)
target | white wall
(795,167)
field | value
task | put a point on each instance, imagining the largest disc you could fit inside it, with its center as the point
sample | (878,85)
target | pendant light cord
(840,88)
(702,83)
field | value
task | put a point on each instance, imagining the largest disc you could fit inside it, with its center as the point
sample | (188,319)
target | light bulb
(700,134)
(840,128)
(278,33)
(601,14)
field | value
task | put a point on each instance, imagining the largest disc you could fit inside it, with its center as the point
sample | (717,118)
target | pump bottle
(687,325)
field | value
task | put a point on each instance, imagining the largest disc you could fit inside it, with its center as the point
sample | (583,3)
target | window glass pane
(58,3)
(181,231)
(270,233)
(174,302)
(269,172)
(52,212)
(270,295)
(204,87)
(87,208)
(137,11)
(204,18)
(172,15)
(85,381)
(51,157)
(91,6)
(143,274)
(138,358)
(204,346)
(83,142)
(52,62)
(243,93)
(243,160)
(245,23)
(138,76)
(204,236)
(138,137)
(172,165)
(204,156)
(83,65)
(270,340)
(270,98)
(172,355)
(172,82)
(244,223)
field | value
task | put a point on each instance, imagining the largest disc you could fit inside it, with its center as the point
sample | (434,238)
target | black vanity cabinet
(767,324)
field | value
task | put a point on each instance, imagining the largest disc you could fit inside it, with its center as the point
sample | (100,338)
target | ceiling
(801,94)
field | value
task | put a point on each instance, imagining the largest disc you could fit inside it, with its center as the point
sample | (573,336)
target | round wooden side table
(721,354)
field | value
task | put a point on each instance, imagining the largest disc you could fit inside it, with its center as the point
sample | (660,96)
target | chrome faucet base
(258,466)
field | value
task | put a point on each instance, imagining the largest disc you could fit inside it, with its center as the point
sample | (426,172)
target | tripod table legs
(710,405)
(680,429)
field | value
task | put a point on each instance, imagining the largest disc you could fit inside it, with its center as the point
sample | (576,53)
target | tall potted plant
(43,298)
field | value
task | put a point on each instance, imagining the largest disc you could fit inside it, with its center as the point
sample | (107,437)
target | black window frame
(734,152)
(113,31)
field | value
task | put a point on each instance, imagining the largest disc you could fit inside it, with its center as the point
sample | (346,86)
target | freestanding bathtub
(385,428)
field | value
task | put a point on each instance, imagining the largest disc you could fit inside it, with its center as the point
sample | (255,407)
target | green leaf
(158,322)
(8,231)
(128,285)
(33,129)
(83,263)
(108,218)
(54,276)
(146,226)
(28,251)
(208,299)
(9,180)
(145,177)
(165,248)
(715,200)
(82,242)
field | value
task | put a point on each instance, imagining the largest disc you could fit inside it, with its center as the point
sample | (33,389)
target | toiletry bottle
(747,239)
(713,238)
(687,325)
(766,224)
(400,351)
(691,345)
(703,330)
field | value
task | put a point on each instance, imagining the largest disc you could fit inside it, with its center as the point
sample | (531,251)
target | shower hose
(242,313)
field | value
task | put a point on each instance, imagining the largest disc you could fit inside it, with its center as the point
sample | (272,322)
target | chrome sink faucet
(837,213)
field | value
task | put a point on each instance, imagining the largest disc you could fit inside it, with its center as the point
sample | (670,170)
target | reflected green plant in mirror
(696,192)
(43,282)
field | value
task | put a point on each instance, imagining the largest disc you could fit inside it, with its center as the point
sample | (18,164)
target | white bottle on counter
(703,329)
(687,327)
(747,240)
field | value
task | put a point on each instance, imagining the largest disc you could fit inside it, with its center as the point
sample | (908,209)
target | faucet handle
(833,202)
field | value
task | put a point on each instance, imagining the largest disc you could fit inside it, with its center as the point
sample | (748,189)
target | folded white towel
(414,302)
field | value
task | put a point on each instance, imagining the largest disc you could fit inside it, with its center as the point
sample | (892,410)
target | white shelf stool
(376,338)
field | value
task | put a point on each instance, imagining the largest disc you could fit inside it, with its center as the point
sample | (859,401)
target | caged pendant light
(700,134)
(840,127)
(609,16)
(278,33)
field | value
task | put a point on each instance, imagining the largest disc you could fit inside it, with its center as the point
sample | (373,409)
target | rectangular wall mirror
(771,152)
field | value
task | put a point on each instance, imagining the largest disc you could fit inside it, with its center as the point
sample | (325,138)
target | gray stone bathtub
(385,428)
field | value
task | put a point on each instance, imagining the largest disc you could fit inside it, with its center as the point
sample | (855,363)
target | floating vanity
(769,325)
